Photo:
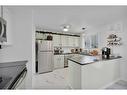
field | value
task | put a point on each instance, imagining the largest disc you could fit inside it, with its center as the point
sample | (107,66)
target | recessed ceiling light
(65,27)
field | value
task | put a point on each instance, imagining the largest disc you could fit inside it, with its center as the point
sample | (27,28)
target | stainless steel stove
(4,81)
(11,73)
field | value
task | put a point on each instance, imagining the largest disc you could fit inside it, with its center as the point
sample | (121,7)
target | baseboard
(108,85)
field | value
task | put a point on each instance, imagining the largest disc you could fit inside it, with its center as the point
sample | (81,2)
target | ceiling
(52,17)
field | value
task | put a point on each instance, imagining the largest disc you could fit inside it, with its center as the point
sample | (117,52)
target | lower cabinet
(98,75)
(58,61)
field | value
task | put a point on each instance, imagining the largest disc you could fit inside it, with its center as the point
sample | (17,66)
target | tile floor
(120,85)
(57,80)
(53,80)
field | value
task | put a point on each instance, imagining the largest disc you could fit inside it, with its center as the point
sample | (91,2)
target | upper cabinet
(64,40)
(91,41)
(76,41)
(70,41)
(60,40)
(57,40)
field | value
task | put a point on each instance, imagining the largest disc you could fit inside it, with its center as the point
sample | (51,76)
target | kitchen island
(93,72)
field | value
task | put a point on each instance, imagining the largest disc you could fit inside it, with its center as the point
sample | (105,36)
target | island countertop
(85,59)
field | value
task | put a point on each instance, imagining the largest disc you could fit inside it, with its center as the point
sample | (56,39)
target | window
(91,41)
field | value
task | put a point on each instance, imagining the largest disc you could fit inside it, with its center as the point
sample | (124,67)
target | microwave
(3,27)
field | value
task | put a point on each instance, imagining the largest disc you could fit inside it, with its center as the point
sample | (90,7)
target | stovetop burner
(4,81)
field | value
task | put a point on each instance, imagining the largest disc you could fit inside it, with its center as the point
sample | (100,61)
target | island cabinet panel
(97,75)
(74,75)
(100,74)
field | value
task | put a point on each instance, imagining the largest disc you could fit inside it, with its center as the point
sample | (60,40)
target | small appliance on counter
(106,53)
(58,50)
(76,50)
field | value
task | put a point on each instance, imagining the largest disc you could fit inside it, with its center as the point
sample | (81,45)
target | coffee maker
(106,53)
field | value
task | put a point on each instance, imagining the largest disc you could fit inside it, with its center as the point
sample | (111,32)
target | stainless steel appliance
(45,56)
(19,80)
(106,53)
(12,75)
(3,26)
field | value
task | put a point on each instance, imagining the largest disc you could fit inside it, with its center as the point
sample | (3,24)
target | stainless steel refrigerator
(45,56)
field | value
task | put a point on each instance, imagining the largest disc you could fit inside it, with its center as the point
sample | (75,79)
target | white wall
(124,52)
(20,27)
(121,31)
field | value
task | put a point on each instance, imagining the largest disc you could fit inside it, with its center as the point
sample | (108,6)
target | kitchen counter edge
(71,59)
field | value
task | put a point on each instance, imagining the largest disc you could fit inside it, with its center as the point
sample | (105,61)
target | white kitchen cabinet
(57,40)
(64,40)
(98,75)
(67,41)
(58,61)
(70,41)
(74,77)
(76,41)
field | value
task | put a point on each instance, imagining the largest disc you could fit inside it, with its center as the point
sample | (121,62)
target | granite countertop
(85,59)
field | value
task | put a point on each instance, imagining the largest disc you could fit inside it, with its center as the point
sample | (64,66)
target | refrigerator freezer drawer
(45,62)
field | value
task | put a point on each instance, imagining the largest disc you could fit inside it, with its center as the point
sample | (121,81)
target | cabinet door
(98,75)
(56,65)
(70,41)
(56,40)
(76,41)
(74,75)
(58,61)
(64,40)
(61,62)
